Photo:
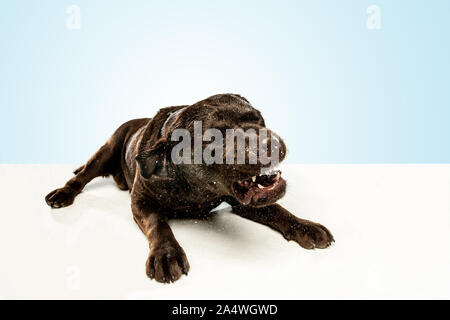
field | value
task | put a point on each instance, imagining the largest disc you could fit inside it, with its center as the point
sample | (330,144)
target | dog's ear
(147,163)
(155,161)
(154,148)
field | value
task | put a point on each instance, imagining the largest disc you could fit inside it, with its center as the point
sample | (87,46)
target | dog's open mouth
(259,190)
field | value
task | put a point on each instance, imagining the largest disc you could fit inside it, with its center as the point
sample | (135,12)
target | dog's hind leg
(100,164)
(77,171)
(104,162)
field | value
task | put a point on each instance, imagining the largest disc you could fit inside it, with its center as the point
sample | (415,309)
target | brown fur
(138,157)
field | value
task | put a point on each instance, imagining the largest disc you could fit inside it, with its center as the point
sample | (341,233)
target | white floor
(391,224)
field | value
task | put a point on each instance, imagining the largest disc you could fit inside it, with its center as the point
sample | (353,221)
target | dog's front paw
(167,263)
(310,235)
(62,197)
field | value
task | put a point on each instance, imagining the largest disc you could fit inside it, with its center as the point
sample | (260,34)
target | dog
(138,157)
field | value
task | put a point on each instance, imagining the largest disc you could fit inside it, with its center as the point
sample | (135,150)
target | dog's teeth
(254,178)
(278,176)
(260,186)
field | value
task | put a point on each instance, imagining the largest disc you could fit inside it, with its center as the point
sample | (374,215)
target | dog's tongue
(257,187)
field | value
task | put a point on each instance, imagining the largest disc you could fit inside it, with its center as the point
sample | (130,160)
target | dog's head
(219,145)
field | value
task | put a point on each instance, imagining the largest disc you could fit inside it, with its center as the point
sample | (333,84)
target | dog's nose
(262,147)
(282,149)
(270,147)
(274,144)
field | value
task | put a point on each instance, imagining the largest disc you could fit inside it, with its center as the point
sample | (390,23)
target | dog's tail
(77,171)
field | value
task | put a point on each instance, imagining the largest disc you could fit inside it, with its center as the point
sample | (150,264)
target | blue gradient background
(336,91)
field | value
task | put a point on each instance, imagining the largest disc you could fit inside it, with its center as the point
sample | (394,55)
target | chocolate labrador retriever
(138,156)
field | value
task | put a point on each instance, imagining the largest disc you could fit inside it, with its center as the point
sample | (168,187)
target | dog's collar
(173,116)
